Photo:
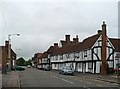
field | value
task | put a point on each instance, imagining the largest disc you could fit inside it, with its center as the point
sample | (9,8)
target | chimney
(99,31)
(103,56)
(67,38)
(6,43)
(74,40)
(56,44)
(77,39)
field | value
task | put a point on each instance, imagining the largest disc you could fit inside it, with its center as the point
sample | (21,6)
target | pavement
(112,78)
(14,76)
(11,79)
(0,80)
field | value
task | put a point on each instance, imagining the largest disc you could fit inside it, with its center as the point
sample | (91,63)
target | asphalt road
(32,77)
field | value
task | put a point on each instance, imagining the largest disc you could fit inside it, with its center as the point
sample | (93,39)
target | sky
(41,23)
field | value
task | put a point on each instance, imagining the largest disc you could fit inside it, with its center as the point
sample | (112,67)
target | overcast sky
(43,22)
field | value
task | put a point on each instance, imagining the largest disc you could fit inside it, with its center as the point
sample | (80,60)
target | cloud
(43,23)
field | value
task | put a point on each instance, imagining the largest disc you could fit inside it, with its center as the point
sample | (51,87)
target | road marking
(99,85)
(115,84)
(89,82)
(88,88)
(75,79)
(67,81)
(84,86)
(80,80)
(97,81)
(55,77)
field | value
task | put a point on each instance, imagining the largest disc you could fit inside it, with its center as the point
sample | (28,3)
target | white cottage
(85,56)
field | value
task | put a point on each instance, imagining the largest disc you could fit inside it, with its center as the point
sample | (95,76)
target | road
(32,77)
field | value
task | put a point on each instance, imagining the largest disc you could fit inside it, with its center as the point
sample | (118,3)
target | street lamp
(9,50)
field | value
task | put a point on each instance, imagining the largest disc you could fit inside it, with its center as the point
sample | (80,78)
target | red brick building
(4,55)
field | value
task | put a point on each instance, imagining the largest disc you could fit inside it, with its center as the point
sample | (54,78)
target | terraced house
(94,54)
(4,56)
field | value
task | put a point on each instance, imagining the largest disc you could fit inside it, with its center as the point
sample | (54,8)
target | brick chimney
(67,38)
(56,44)
(6,45)
(75,40)
(103,56)
(99,31)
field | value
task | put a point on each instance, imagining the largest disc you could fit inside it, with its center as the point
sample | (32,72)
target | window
(67,55)
(77,55)
(56,57)
(55,65)
(85,53)
(100,43)
(82,55)
(61,57)
(96,50)
(90,65)
(80,65)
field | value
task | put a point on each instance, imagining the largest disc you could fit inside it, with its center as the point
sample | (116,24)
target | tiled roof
(89,42)
(44,55)
(116,43)
(74,47)
(79,46)
(65,42)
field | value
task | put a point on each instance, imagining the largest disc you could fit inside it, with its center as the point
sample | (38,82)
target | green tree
(28,62)
(20,61)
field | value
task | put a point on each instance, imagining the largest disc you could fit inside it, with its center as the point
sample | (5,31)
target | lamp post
(9,50)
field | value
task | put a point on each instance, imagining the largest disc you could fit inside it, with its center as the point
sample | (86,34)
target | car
(15,68)
(40,67)
(46,68)
(28,66)
(116,69)
(66,70)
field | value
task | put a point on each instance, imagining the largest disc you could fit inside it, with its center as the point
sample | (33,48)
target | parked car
(40,67)
(29,66)
(66,70)
(46,67)
(15,68)
(116,69)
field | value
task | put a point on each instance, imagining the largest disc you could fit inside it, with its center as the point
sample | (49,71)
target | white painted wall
(98,66)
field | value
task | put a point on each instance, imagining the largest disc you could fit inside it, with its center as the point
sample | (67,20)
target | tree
(28,62)
(20,61)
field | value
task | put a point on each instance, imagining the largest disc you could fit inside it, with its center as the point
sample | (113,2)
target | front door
(84,68)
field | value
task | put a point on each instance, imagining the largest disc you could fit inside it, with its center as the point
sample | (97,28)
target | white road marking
(55,77)
(99,85)
(97,80)
(84,86)
(89,82)
(75,79)
(115,84)
(67,81)
(88,88)
(80,80)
